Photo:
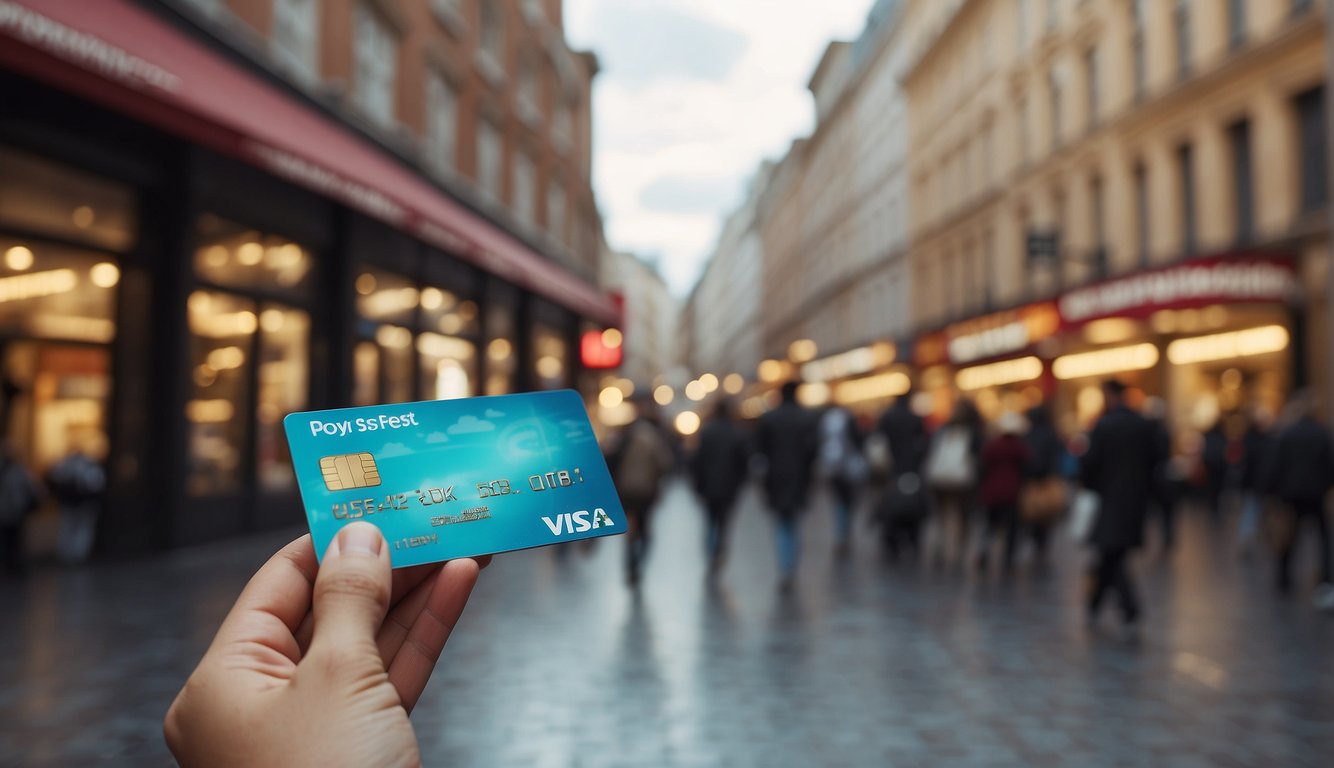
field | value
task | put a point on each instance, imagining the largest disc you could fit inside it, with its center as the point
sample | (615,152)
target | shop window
(43,197)
(1311,126)
(230,255)
(56,292)
(376,59)
(222,331)
(283,383)
(502,304)
(550,358)
(447,366)
(383,297)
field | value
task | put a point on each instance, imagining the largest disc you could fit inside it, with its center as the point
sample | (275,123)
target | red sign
(1219,280)
(595,351)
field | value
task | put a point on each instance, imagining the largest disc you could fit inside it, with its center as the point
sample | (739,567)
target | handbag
(1083,513)
(949,467)
(1043,500)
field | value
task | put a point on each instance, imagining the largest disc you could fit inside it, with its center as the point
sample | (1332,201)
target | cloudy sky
(692,95)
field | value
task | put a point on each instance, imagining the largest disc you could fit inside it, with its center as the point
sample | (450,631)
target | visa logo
(578,522)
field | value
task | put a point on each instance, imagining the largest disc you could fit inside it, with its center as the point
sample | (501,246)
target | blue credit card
(455,478)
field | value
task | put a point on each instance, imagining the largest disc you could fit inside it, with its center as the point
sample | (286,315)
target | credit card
(456,478)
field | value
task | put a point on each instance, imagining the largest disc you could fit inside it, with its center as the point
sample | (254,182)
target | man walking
(785,438)
(1119,466)
(1301,475)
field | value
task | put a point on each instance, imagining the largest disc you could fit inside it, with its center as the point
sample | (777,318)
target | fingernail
(360,539)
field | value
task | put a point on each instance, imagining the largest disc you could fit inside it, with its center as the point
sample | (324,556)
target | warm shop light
(104,274)
(72,327)
(664,395)
(83,217)
(733,383)
(18,258)
(813,395)
(802,351)
(1226,346)
(695,390)
(366,283)
(498,349)
(209,411)
(876,387)
(611,397)
(687,423)
(1104,362)
(250,254)
(390,301)
(709,381)
(612,338)
(999,374)
(626,386)
(448,347)
(226,358)
(393,337)
(1111,330)
(432,298)
(549,367)
(771,370)
(272,320)
(37,284)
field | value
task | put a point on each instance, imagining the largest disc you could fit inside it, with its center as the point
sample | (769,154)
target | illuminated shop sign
(850,363)
(1000,334)
(1214,281)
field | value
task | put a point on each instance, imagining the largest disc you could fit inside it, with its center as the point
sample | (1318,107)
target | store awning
(121,56)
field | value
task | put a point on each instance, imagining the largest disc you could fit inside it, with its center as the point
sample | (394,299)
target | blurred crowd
(991,495)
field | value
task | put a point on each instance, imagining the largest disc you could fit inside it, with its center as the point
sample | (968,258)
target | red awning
(119,55)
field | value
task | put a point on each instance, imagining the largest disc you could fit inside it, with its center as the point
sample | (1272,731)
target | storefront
(178,271)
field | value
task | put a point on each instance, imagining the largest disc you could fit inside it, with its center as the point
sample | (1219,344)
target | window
(1311,149)
(525,188)
(556,209)
(1022,22)
(1139,52)
(1142,214)
(1236,22)
(1181,26)
(441,122)
(1098,222)
(1243,200)
(526,92)
(295,35)
(1025,144)
(39,196)
(493,31)
(1054,90)
(376,53)
(1186,171)
(489,160)
(1091,84)
(234,256)
(1053,8)
(1300,6)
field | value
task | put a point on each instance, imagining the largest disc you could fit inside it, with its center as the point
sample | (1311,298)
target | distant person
(19,498)
(1118,466)
(640,461)
(1302,474)
(902,505)
(77,482)
(1004,461)
(1213,457)
(718,471)
(1257,455)
(785,438)
(1164,497)
(951,470)
(1046,494)
(843,466)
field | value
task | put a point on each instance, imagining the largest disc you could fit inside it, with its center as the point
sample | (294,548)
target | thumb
(351,592)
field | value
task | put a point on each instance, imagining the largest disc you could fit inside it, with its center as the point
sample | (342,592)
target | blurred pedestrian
(785,438)
(640,460)
(1213,457)
(1257,445)
(1004,460)
(1163,499)
(901,505)
(1302,474)
(77,482)
(19,497)
(1046,494)
(951,471)
(718,471)
(843,467)
(1119,465)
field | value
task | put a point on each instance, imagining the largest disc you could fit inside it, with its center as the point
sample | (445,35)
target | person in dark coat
(786,439)
(903,503)
(1004,460)
(1257,448)
(1300,476)
(1118,466)
(1164,497)
(1213,456)
(905,434)
(1046,464)
(718,470)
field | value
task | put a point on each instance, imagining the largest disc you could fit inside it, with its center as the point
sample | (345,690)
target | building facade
(216,212)
(652,315)
(1119,188)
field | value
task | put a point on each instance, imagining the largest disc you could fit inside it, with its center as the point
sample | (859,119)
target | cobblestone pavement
(556,663)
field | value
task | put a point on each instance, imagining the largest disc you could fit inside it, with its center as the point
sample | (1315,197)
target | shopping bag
(1083,513)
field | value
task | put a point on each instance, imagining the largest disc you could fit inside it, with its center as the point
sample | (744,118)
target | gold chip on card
(350,470)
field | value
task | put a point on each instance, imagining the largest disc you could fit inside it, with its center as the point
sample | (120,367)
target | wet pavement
(556,663)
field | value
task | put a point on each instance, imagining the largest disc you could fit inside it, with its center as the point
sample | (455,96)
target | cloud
(643,43)
(686,194)
(437,437)
(469,424)
(392,450)
(492,413)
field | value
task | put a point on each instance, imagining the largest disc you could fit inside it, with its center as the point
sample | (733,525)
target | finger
(406,580)
(430,628)
(482,562)
(274,602)
(352,592)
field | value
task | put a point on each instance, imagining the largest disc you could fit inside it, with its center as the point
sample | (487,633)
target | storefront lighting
(448,347)
(771,371)
(366,284)
(216,256)
(104,274)
(998,374)
(1111,330)
(250,254)
(877,387)
(204,376)
(209,411)
(18,258)
(612,338)
(451,324)
(432,298)
(695,390)
(710,382)
(1163,321)
(850,363)
(1105,362)
(226,358)
(95,329)
(467,310)
(664,395)
(1226,346)
(626,386)
(37,284)
(498,349)
(611,397)
(549,367)
(733,383)
(802,351)
(393,337)
(272,320)
(390,301)
(813,395)
(687,423)
(83,217)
